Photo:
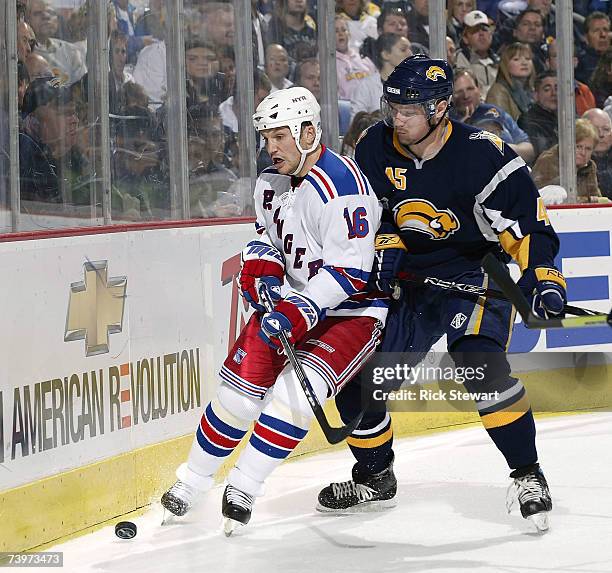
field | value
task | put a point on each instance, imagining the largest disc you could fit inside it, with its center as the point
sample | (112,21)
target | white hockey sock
(277,432)
(217,435)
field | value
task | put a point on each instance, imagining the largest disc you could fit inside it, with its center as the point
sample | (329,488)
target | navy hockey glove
(295,316)
(265,263)
(545,289)
(389,260)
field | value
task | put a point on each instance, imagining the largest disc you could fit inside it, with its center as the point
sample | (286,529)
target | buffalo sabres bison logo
(422,216)
(435,72)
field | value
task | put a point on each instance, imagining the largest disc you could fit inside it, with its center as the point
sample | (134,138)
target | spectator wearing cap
(546,169)
(352,69)
(583,95)
(597,31)
(602,153)
(512,89)
(50,164)
(153,21)
(529,29)
(540,120)
(455,15)
(277,67)
(476,53)
(64,58)
(468,108)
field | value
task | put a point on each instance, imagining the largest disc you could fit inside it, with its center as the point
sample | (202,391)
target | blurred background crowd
(504,53)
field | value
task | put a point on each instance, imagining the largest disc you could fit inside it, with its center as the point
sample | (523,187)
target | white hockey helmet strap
(290,108)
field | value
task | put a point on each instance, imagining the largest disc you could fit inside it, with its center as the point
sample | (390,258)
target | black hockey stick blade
(500,275)
(332,435)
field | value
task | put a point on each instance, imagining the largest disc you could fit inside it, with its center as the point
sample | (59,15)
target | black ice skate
(531,490)
(179,498)
(236,508)
(365,492)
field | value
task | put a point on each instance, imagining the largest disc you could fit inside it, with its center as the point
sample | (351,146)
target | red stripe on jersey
(355,175)
(322,180)
(215,437)
(274,438)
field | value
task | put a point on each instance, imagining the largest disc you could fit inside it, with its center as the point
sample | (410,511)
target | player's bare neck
(431,146)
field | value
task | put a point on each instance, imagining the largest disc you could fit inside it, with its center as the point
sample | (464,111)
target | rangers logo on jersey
(497,141)
(435,72)
(422,216)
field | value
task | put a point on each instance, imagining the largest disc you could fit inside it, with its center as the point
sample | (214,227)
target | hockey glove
(389,259)
(295,316)
(264,262)
(545,289)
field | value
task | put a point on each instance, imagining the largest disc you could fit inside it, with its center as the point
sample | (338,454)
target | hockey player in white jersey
(316,219)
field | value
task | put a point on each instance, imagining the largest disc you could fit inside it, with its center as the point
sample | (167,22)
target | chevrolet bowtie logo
(96,308)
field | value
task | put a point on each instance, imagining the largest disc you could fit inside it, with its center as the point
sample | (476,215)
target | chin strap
(304,153)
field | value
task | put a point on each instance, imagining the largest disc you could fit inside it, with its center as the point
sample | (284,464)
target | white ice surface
(450,516)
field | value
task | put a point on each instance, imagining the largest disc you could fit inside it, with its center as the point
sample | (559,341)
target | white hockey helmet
(290,108)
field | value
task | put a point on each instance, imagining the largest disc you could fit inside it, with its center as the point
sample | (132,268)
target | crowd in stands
(504,54)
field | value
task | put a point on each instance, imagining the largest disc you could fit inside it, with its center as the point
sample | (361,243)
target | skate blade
(230,526)
(540,520)
(366,507)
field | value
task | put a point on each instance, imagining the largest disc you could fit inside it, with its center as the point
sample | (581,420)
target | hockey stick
(499,273)
(481,291)
(332,435)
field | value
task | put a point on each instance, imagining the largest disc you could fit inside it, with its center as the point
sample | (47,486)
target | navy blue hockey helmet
(418,80)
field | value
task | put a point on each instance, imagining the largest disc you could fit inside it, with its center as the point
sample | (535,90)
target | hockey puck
(125,530)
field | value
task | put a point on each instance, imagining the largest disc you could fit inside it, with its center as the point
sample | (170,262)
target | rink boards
(111,341)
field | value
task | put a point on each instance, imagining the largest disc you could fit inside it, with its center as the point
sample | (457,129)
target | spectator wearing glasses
(546,169)
(602,153)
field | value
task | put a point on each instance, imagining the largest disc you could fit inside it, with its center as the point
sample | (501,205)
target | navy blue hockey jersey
(473,197)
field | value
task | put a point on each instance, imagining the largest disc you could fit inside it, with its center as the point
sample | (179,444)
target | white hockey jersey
(324,225)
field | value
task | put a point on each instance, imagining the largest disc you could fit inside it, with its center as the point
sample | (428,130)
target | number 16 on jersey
(357,223)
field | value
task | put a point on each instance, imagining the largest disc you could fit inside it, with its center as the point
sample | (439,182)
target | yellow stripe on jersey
(518,250)
(389,241)
(508,415)
(370,442)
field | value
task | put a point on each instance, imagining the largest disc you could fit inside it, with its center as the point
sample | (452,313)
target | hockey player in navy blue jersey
(452,193)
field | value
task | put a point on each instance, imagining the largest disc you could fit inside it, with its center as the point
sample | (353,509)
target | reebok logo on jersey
(422,216)
(458,320)
(239,356)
